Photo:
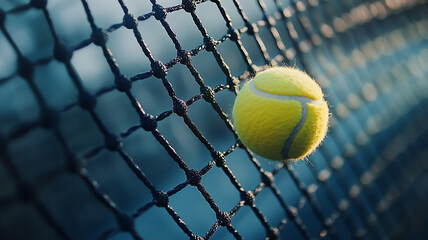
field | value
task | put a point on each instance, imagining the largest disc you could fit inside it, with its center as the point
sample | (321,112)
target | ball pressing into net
(281,114)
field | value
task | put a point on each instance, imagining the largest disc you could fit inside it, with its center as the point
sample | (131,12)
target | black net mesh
(115,120)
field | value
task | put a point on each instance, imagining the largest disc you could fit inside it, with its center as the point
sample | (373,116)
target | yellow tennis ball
(281,114)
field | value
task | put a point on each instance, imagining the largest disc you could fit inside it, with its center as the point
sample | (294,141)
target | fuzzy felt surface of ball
(281,114)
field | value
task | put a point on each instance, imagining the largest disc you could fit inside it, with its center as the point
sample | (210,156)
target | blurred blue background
(374,75)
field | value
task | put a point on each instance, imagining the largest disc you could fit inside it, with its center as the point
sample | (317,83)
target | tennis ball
(281,114)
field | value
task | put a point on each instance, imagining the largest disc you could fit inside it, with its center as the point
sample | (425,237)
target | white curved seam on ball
(296,130)
(302,100)
(282,97)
